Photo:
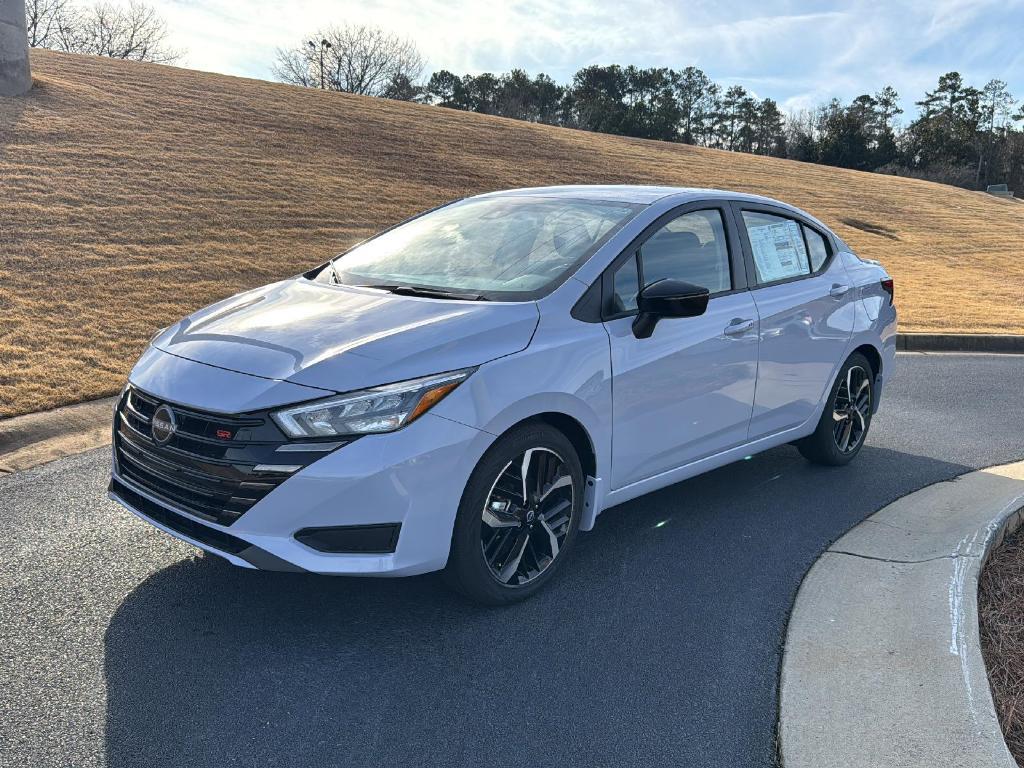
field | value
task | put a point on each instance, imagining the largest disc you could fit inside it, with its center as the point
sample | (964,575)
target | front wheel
(518,516)
(846,419)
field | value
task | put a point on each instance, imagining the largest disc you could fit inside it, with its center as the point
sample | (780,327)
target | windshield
(498,247)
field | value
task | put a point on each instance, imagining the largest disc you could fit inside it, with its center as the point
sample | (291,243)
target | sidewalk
(882,664)
(36,438)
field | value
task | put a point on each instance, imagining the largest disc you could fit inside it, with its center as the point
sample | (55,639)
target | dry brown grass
(133,194)
(1001,614)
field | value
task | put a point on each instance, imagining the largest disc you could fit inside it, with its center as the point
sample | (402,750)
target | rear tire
(511,536)
(846,419)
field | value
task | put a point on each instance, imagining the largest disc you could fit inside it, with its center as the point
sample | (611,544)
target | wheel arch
(582,441)
(873,356)
(568,425)
(577,434)
(869,350)
(579,420)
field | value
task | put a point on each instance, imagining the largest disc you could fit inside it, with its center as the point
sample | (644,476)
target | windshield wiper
(430,293)
(335,277)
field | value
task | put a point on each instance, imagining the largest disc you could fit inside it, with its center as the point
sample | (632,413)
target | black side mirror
(667,298)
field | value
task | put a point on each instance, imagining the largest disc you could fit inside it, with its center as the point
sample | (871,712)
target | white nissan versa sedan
(469,389)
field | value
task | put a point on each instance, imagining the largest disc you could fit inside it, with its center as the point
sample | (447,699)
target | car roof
(642,194)
(627,193)
(620,193)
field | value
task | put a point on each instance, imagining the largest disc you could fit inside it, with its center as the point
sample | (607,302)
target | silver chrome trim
(308,447)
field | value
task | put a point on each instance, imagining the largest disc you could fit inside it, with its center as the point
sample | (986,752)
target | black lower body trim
(211,537)
(177,522)
(379,539)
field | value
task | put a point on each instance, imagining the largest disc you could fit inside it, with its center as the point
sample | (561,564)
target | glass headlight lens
(380,409)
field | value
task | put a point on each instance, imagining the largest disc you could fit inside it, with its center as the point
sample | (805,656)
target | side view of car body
(471,388)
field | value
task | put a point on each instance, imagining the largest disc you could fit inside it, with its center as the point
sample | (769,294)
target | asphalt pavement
(658,644)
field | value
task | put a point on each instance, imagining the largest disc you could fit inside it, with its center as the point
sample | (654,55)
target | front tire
(518,516)
(845,421)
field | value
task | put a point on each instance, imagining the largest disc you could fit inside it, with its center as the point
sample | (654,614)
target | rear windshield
(504,248)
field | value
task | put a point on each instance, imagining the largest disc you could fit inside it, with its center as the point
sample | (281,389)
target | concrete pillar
(15,76)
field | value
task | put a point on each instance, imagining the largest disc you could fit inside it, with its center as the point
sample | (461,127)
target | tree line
(962,135)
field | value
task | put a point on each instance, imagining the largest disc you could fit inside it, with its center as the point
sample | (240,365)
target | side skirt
(673,476)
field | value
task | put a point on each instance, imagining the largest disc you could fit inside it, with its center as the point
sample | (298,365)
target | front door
(686,392)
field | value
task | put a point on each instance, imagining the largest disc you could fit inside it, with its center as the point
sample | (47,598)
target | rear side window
(777,245)
(818,248)
(692,248)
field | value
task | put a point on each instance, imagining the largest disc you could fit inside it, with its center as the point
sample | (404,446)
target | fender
(565,370)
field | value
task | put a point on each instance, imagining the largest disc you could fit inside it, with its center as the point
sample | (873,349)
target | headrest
(687,240)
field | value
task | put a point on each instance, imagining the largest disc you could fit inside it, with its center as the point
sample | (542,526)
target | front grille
(208,465)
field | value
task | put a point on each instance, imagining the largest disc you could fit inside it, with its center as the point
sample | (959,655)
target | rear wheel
(518,516)
(846,419)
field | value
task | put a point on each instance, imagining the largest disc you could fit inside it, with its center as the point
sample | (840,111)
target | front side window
(777,245)
(498,247)
(625,286)
(692,248)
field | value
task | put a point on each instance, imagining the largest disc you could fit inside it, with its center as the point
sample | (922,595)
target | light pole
(15,75)
(324,45)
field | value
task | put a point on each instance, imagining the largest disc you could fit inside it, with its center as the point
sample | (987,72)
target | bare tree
(297,66)
(135,31)
(43,18)
(356,59)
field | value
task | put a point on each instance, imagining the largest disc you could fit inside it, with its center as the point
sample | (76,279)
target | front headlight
(380,409)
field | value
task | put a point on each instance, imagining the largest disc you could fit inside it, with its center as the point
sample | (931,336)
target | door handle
(738,326)
(838,290)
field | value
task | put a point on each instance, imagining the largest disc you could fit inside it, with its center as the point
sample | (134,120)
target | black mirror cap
(668,298)
(673,298)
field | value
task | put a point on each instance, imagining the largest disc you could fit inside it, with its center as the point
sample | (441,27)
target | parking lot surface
(658,643)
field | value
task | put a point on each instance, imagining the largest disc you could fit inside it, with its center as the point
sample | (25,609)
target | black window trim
(734,247)
(739,206)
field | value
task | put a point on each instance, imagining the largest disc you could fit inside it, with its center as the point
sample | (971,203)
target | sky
(798,52)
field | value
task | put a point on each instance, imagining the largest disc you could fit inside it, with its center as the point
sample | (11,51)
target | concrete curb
(36,438)
(882,663)
(1002,343)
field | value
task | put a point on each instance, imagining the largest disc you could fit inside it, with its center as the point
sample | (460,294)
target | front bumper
(414,478)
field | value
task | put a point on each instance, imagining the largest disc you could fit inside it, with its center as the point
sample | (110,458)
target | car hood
(341,338)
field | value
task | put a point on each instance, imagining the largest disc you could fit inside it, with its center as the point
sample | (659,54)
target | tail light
(888,287)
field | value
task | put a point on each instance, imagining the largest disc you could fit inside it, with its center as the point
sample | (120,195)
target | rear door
(687,391)
(806,308)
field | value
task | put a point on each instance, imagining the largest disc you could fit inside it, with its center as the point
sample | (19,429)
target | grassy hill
(133,194)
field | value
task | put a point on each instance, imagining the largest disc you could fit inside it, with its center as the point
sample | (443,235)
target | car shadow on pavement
(658,642)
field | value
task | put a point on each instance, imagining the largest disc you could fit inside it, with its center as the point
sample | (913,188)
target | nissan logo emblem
(164,425)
